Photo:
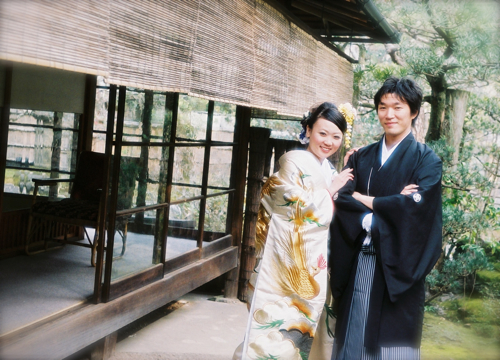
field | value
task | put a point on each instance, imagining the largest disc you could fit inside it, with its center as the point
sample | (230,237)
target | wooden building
(166,91)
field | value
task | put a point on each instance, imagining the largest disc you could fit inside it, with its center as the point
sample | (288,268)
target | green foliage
(488,276)
(456,42)
(431,309)
(470,217)
(458,273)
(445,339)
(480,311)
(439,38)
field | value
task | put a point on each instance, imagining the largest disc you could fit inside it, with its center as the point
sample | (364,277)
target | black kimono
(406,234)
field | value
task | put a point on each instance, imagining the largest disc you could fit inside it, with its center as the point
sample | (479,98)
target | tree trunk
(452,126)
(420,126)
(55,159)
(438,105)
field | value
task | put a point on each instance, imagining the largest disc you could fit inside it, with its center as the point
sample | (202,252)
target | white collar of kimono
(386,153)
(326,169)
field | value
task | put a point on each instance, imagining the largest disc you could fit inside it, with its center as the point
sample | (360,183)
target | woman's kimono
(288,288)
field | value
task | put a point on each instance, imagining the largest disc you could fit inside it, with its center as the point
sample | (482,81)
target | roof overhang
(336,21)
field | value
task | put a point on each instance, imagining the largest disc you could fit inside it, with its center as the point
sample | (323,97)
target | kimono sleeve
(349,212)
(346,233)
(292,189)
(406,229)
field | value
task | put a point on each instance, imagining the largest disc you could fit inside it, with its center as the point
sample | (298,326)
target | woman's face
(324,138)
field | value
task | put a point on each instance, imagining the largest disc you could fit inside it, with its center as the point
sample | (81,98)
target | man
(386,235)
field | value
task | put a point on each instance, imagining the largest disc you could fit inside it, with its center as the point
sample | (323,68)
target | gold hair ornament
(349,115)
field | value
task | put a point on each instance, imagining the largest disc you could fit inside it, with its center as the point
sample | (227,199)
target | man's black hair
(405,89)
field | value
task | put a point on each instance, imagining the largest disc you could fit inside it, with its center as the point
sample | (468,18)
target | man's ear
(414,116)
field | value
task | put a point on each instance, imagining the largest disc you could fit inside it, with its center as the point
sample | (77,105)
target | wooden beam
(291,17)
(337,9)
(135,281)
(58,339)
(354,40)
(354,25)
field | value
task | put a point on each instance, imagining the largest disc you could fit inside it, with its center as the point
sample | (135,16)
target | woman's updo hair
(327,111)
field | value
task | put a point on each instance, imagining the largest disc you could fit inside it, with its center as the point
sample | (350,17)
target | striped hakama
(358,314)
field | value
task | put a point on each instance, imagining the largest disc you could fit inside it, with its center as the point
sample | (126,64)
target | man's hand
(409,189)
(364,199)
(340,180)
(349,153)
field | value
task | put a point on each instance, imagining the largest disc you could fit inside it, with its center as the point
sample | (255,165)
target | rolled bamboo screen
(69,35)
(238,51)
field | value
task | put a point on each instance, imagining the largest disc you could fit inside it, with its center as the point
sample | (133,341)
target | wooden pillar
(103,207)
(236,200)
(171,104)
(279,150)
(142,184)
(293,145)
(4,129)
(87,119)
(204,177)
(259,138)
(104,348)
(113,196)
(269,155)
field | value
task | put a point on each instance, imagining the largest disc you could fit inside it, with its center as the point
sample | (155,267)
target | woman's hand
(340,180)
(409,189)
(348,154)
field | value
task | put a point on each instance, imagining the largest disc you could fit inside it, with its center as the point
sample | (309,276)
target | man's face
(395,117)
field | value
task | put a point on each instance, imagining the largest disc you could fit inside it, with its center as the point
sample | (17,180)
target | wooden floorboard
(64,336)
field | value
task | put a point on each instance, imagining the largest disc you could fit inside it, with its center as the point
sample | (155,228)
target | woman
(288,295)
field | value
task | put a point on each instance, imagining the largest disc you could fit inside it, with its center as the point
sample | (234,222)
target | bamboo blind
(237,51)
(69,35)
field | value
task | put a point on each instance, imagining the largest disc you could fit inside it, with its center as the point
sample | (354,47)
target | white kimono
(289,286)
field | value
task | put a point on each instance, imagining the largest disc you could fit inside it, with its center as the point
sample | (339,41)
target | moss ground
(446,340)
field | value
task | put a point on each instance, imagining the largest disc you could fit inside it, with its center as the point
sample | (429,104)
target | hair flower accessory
(302,136)
(349,115)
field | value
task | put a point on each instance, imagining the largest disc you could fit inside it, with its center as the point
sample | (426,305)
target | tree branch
(365,113)
(455,188)
(486,167)
(432,297)
(444,34)
(392,50)
(366,105)
(492,116)
(450,67)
